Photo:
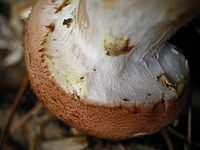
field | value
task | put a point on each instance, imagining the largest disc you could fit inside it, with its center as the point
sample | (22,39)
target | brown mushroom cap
(117,122)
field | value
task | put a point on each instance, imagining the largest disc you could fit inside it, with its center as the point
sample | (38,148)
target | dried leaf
(75,143)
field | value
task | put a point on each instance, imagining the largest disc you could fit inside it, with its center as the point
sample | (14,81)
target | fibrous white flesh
(79,60)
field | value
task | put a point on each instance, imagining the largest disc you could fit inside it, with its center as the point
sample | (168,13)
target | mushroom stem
(146,25)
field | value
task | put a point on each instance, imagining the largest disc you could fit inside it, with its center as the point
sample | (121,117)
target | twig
(189,133)
(24,119)
(36,130)
(189,127)
(182,137)
(167,139)
(122,147)
(17,100)
(177,134)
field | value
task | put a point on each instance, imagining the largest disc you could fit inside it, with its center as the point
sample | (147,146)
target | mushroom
(105,66)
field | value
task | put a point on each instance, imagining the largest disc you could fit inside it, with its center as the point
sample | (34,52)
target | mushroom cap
(114,122)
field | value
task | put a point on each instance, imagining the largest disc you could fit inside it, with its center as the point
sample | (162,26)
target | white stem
(147,24)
